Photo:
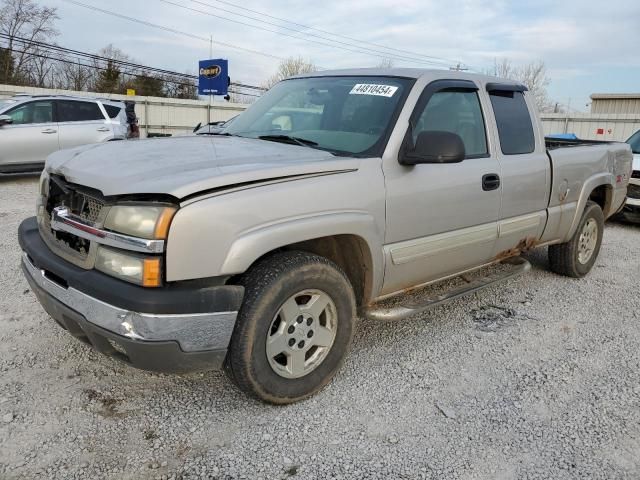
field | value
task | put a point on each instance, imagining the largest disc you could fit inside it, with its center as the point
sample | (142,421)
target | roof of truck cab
(407,73)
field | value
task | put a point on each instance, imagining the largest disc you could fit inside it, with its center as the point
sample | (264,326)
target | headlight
(144,271)
(140,221)
(44,183)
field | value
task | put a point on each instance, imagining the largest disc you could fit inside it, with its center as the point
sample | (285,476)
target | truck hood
(184,166)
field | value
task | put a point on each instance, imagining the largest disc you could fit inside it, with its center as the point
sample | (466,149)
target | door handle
(49,131)
(490,181)
(104,129)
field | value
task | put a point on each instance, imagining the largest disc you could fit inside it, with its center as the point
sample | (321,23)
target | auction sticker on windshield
(373,89)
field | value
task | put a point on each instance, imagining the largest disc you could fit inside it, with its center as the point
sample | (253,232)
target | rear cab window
(513,120)
(78,111)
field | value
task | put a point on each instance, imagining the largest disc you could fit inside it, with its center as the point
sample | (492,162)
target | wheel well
(350,252)
(603,196)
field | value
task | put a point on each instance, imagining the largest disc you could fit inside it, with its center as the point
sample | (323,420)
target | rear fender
(607,179)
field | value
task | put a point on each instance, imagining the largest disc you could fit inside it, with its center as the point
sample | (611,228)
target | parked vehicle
(631,210)
(34,126)
(258,247)
(212,128)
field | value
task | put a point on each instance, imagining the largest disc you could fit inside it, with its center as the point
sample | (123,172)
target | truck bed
(553,143)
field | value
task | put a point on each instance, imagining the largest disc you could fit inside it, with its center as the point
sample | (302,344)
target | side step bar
(518,266)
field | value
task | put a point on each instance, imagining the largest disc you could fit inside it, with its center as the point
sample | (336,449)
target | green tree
(24,22)
(6,65)
(108,79)
(148,86)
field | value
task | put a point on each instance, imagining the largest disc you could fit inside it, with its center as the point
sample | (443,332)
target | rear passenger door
(81,123)
(525,170)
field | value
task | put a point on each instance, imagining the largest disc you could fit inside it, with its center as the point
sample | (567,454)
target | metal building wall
(628,104)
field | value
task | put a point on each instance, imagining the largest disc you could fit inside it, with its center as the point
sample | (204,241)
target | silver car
(33,127)
(631,210)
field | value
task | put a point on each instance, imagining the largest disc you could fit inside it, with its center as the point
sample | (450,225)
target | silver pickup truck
(255,249)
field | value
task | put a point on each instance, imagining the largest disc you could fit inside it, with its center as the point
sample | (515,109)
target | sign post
(213,79)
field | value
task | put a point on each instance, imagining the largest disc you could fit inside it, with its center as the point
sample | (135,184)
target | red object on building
(600,131)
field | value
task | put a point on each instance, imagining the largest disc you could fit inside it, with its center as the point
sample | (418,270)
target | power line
(97,67)
(149,70)
(348,47)
(171,30)
(308,27)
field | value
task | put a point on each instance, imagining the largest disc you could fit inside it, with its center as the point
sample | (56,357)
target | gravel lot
(536,379)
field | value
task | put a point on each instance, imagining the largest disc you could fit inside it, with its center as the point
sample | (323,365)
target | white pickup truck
(257,248)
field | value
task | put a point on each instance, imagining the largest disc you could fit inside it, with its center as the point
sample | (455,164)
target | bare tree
(290,67)
(386,63)
(180,87)
(533,75)
(24,22)
(41,70)
(241,98)
(71,74)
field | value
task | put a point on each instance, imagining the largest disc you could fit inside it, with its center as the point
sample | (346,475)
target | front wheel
(294,328)
(576,257)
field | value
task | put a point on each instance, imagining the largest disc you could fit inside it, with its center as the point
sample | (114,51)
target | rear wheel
(294,328)
(576,257)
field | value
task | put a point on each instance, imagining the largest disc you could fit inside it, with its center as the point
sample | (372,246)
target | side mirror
(5,120)
(435,147)
(197,127)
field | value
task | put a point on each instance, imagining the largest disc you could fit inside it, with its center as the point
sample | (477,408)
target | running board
(518,266)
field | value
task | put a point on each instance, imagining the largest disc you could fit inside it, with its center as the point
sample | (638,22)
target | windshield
(4,104)
(634,141)
(344,115)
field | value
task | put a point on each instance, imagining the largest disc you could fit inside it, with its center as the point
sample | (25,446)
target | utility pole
(458,68)
(210,94)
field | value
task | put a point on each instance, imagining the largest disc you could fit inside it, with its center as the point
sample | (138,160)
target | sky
(588,46)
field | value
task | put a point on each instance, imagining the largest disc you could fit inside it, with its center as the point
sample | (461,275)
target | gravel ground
(534,379)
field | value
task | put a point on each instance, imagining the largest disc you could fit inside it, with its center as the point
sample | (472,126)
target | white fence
(592,126)
(177,117)
(156,115)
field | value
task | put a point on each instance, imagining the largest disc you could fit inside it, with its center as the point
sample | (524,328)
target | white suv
(34,126)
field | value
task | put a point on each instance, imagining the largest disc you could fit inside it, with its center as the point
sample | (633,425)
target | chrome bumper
(63,221)
(193,332)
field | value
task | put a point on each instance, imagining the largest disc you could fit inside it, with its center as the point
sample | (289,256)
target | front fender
(256,242)
(226,233)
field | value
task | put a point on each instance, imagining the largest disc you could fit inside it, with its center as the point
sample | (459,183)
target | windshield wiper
(288,139)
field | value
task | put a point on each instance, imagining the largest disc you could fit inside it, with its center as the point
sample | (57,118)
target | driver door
(443,218)
(31,137)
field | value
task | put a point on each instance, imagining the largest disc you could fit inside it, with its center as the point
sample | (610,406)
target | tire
(571,258)
(266,316)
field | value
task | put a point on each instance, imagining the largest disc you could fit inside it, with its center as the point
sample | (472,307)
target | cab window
(75,111)
(514,122)
(459,112)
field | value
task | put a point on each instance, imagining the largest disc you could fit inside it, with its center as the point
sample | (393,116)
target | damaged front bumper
(631,210)
(176,328)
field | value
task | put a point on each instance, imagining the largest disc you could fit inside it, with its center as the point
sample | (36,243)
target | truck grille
(633,191)
(82,202)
